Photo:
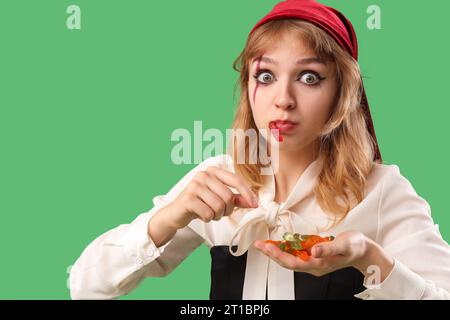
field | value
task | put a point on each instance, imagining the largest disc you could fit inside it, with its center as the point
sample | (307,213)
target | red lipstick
(275,131)
(279,127)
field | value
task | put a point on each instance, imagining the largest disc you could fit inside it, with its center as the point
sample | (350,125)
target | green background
(86,117)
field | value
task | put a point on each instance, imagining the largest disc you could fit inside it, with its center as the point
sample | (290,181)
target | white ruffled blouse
(391,213)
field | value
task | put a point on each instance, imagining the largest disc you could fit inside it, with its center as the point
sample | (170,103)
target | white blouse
(391,213)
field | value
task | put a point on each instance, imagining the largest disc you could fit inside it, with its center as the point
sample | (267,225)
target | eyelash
(256,76)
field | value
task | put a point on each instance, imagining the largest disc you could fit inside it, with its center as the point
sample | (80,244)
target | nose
(285,99)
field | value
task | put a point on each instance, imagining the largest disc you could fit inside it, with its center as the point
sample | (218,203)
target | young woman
(299,77)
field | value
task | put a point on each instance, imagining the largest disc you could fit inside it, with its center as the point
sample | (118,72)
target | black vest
(228,272)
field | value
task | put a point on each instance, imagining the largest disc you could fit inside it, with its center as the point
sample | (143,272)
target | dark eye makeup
(307,77)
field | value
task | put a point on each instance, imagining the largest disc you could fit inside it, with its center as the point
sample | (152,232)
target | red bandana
(336,25)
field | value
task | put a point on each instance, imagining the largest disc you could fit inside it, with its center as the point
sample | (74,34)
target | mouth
(280,127)
(284,126)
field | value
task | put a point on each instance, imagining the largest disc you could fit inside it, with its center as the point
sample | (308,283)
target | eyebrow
(299,61)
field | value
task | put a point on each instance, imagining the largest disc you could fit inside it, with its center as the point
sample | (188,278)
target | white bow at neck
(256,223)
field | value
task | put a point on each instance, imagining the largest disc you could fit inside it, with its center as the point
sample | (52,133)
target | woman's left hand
(348,249)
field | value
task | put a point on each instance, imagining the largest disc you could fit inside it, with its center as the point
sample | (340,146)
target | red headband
(336,25)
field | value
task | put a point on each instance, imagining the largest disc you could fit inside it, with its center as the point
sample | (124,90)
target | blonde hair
(346,147)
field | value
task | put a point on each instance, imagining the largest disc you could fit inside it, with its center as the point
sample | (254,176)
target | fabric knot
(256,224)
(271,215)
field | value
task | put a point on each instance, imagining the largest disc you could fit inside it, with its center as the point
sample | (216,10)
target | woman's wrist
(374,260)
(161,228)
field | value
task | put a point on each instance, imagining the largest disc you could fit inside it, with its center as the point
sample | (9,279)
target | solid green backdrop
(86,118)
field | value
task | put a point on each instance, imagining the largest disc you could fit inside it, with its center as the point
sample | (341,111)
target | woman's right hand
(207,197)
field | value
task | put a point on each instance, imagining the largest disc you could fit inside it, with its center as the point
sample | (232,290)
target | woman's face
(292,84)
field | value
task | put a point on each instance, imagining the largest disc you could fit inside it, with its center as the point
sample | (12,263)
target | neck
(292,164)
